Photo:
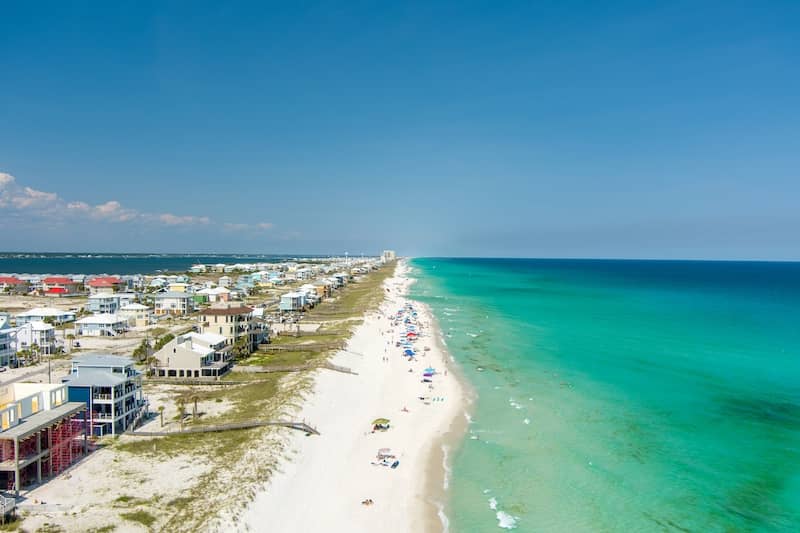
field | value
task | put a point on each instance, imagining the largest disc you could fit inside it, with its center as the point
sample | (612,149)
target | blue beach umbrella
(408,352)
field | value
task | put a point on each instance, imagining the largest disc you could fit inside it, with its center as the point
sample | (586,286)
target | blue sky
(539,129)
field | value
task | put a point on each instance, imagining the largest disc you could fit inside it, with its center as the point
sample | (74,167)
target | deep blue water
(101,263)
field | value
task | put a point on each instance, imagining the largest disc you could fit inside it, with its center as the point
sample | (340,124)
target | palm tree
(35,352)
(161,413)
(194,397)
(181,410)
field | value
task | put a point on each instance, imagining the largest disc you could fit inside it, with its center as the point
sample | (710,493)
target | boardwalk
(299,426)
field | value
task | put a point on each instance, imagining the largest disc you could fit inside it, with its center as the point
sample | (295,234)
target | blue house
(111,388)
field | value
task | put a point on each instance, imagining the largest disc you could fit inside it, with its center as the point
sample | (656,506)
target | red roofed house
(104,284)
(12,284)
(59,285)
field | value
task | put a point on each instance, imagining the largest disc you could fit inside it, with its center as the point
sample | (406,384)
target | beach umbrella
(384,451)
(429,369)
(380,421)
(408,352)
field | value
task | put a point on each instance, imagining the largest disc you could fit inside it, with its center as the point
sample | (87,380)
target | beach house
(138,315)
(193,355)
(41,433)
(102,302)
(45,314)
(59,285)
(173,303)
(104,285)
(234,321)
(8,352)
(12,284)
(38,334)
(292,301)
(101,325)
(111,388)
(216,294)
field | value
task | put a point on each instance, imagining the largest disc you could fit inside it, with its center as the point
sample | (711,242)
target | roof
(133,307)
(173,294)
(58,279)
(37,325)
(32,424)
(94,377)
(104,282)
(100,295)
(209,338)
(102,360)
(11,280)
(102,318)
(45,311)
(239,310)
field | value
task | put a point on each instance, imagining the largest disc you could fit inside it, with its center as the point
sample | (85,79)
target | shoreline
(325,478)
(440,456)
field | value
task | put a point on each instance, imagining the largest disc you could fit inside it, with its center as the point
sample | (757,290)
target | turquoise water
(623,395)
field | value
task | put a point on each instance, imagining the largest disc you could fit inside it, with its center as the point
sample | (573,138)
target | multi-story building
(111,388)
(193,355)
(56,285)
(13,284)
(232,320)
(38,334)
(8,353)
(173,303)
(42,433)
(45,314)
(103,302)
(104,285)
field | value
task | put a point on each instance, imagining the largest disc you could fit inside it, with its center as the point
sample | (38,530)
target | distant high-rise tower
(388,255)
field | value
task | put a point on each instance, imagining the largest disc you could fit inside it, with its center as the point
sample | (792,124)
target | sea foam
(505,520)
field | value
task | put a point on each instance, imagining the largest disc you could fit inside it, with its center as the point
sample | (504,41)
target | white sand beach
(325,479)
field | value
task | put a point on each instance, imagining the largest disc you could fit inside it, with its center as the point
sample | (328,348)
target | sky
(513,129)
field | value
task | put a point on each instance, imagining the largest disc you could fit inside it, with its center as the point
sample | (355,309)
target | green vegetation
(262,396)
(11,525)
(162,341)
(104,529)
(141,516)
(142,351)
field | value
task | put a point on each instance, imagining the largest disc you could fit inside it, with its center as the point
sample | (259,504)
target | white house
(216,294)
(102,325)
(193,355)
(138,315)
(173,303)
(8,353)
(39,333)
(45,314)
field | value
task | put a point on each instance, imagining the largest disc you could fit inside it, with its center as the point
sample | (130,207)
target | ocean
(108,263)
(623,395)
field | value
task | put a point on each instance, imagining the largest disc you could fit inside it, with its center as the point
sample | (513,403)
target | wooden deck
(299,426)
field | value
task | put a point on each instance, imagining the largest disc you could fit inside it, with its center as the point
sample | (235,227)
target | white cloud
(78,206)
(175,220)
(238,226)
(48,204)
